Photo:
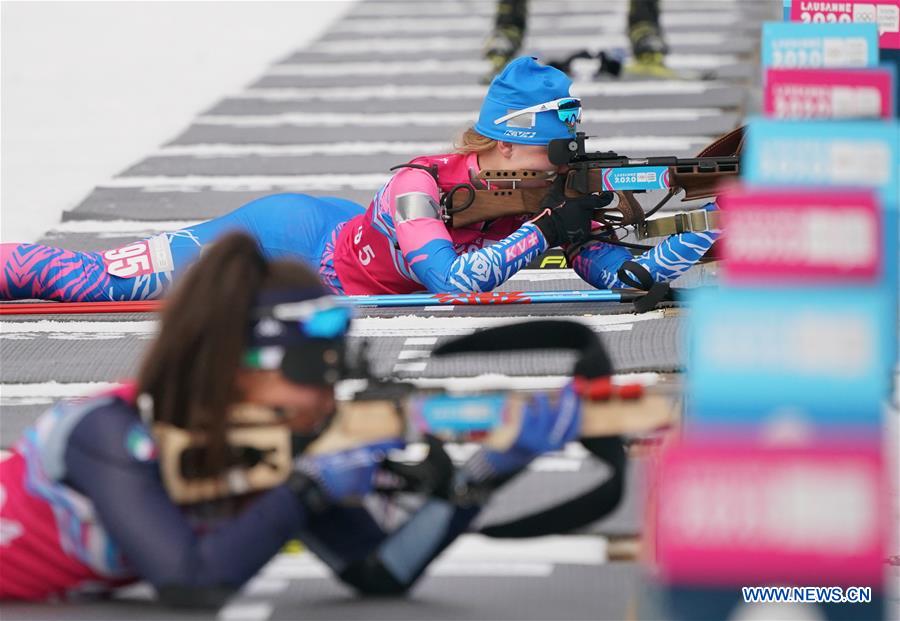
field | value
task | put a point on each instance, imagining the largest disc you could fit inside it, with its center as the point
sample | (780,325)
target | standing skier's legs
(506,38)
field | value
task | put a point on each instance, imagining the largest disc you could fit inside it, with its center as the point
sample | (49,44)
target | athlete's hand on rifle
(545,426)
(433,476)
(340,476)
(570,222)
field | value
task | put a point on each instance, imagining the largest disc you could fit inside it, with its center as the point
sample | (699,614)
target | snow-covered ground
(90,87)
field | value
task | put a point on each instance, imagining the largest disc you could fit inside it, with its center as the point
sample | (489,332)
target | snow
(90,88)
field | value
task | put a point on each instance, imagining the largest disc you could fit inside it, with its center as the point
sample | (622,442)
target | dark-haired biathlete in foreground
(85,503)
(400,243)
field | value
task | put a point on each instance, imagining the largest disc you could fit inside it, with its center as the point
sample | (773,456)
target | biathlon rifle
(260,448)
(593,172)
(390,409)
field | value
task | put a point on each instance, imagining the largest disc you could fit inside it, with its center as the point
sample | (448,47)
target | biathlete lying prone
(248,348)
(400,243)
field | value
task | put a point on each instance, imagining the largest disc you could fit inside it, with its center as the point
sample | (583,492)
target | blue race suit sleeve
(441,269)
(152,532)
(428,248)
(598,262)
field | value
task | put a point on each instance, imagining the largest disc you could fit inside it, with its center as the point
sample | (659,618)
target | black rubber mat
(569,592)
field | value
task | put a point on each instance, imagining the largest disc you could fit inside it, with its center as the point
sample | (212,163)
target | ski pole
(376,301)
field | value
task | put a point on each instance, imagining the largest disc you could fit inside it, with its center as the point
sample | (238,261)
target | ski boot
(505,40)
(501,46)
(649,57)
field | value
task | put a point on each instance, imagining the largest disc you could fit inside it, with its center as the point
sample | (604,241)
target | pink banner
(732,515)
(829,93)
(885,13)
(794,235)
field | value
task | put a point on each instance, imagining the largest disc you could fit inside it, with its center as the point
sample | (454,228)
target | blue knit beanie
(522,84)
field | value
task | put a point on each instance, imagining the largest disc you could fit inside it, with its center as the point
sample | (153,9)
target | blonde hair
(470,141)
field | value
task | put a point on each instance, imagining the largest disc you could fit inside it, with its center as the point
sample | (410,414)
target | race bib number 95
(140,258)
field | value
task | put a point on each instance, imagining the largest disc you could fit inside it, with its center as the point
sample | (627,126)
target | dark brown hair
(190,370)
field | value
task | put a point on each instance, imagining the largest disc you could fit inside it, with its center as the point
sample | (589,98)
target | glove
(545,427)
(432,477)
(343,475)
(570,223)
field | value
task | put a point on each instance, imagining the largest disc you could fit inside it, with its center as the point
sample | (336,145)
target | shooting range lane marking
(38,393)
(118,228)
(76,330)
(420,340)
(420,45)
(306,567)
(366,327)
(410,367)
(391,119)
(555,274)
(246,611)
(473,67)
(469,91)
(338,148)
(262,586)
(606,21)
(496,381)
(570,459)
(329,182)
(437,9)
(475,555)
(47,392)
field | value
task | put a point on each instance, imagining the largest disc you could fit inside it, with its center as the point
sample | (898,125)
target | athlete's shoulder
(95,423)
(447,170)
(113,428)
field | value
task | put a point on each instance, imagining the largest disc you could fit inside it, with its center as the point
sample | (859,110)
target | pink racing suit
(400,244)
(389,249)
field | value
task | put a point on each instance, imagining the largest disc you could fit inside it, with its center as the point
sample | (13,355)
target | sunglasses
(311,355)
(322,318)
(568,109)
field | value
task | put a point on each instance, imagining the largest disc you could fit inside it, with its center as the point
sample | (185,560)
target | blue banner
(820,357)
(850,154)
(813,46)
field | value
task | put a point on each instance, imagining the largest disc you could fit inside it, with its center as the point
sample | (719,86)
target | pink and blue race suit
(400,244)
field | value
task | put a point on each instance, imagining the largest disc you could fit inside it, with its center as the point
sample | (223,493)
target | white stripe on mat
(327,182)
(618,143)
(39,393)
(403,325)
(476,555)
(246,611)
(383,119)
(556,7)
(118,228)
(335,148)
(423,45)
(473,67)
(603,21)
(468,91)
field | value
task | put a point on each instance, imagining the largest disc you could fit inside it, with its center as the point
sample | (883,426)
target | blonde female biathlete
(400,243)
